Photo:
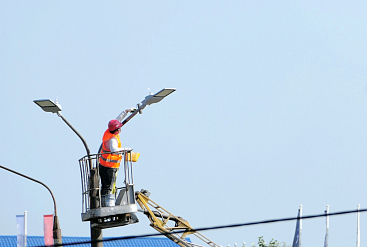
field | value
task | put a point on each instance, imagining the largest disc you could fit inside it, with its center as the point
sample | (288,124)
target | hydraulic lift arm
(159,218)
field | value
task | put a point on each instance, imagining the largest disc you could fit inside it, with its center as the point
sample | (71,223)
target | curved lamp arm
(34,180)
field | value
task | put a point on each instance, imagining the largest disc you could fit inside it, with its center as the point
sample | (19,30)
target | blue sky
(269,111)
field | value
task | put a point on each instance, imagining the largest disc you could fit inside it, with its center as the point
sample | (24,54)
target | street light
(150,99)
(49,106)
(56,226)
(155,98)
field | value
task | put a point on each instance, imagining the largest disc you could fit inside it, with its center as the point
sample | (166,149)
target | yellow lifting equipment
(159,218)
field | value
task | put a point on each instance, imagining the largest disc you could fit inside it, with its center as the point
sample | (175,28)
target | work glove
(132,109)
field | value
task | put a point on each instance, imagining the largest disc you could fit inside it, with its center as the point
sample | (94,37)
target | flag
(21,231)
(297,234)
(48,224)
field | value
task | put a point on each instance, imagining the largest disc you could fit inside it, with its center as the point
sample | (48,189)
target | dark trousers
(108,178)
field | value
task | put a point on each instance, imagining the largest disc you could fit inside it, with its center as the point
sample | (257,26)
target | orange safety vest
(108,159)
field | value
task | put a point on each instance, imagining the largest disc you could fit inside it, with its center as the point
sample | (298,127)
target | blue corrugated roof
(11,241)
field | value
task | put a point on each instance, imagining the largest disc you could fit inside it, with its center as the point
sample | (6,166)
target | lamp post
(56,227)
(95,233)
(49,106)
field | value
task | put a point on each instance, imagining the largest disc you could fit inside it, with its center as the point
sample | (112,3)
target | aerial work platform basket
(123,212)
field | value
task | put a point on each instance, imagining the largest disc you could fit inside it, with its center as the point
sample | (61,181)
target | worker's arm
(123,114)
(114,146)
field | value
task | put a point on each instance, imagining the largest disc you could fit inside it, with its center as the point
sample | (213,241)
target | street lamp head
(150,99)
(155,98)
(48,106)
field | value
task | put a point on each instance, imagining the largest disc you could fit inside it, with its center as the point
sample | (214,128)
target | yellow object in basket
(135,157)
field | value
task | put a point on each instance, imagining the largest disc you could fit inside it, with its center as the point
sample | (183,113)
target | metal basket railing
(91,162)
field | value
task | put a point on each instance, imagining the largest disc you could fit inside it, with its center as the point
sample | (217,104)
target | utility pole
(95,233)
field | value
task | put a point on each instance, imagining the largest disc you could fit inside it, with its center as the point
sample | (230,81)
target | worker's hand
(130,110)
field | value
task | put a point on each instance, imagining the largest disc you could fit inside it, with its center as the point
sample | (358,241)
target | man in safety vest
(110,162)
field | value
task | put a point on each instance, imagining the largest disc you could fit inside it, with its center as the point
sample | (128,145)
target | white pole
(358,231)
(327,217)
(25,228)
(326,244)
(300,224)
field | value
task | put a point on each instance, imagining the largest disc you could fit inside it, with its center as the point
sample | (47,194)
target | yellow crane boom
(159,218)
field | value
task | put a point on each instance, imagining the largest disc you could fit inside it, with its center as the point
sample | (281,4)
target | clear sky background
(269,112)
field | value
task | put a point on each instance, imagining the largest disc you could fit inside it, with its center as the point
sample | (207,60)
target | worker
(109,163)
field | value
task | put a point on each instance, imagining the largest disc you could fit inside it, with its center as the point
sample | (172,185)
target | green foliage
(272,243)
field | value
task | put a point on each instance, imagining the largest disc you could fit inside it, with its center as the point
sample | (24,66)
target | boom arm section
(159,218)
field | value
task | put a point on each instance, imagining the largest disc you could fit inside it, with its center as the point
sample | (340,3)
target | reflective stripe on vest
(110,159)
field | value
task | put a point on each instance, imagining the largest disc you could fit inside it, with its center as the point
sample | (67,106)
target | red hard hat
(114,125)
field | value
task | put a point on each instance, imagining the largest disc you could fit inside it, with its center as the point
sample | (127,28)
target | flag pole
(358,230)
(300,224)
(326,243)
(327,217)
(25,228)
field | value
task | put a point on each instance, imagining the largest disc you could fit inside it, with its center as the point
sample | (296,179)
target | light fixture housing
(155,98)
(48,105)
